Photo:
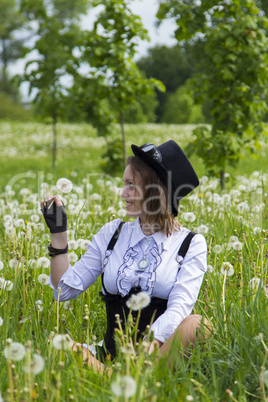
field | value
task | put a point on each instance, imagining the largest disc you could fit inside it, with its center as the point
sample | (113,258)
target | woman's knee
(195,327)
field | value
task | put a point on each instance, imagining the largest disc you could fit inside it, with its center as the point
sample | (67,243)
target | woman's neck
(148,228)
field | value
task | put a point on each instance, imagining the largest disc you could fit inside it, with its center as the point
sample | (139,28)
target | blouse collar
(137,235)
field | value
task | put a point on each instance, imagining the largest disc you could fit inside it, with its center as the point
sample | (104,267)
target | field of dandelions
(36,362)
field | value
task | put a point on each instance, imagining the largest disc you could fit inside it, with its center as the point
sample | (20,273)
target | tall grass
(231,365)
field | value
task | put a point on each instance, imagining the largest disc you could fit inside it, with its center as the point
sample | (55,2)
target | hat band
(152,151)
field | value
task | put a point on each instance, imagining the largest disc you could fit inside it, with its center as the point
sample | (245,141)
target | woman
(153,254)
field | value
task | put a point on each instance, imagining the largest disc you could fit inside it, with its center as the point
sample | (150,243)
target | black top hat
(173,168)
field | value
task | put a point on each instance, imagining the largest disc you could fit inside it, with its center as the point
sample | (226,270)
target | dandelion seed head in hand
(227,269)
(124,386)
(14,351)
(64,185)
(35,365)
(62,341)
(138,301)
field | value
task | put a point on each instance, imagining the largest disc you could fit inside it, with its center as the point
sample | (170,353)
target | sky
(147,10)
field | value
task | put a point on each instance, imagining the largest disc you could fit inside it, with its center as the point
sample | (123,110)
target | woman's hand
(54,214)
(154,345)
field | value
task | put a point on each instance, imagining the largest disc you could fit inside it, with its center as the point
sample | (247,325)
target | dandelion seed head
(138,301)
(124,386)
(237,245)
(72,244)
(217,249)
(121,213)
(14,351)
(227,269)
(64,185)
(72,257)
(1,265)
(210,268)
(254,283)
(265,377)
(43,279)
(62,341)
(67,305)
(35,365)
(43,262)
(1,321)
(189,216)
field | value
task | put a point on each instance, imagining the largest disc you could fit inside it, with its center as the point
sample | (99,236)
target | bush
(180,108)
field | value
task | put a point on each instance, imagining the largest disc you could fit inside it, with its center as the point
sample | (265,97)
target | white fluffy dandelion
(138,301)
(124,386)
(35,218)
(14,351)
(72,244)
(217,249)
(121,213)
(1,265)
(84,244)
(32,263)
(67,305)
(8,286)
(227,269)
(62,341)
(237,245)
(254,283)
(39,305)
(189,216)
(72,257)
(35,365)
(43,279)
(265,377)
(1,321)
(64,185)
(43,262)
(210,268)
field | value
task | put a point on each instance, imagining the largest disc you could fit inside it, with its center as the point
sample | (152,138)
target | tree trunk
(222,180)
(54,145)
(123,138)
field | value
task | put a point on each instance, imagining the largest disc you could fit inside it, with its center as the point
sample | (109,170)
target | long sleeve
(84,272)
(185,291)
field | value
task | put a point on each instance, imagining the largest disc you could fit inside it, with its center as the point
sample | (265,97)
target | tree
(57,37)
(11,42)
(108,51)
(233,74)
(171,66)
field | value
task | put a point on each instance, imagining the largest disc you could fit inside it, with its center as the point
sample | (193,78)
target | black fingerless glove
(55,217)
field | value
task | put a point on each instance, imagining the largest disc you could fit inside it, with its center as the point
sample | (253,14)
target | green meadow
(35,366)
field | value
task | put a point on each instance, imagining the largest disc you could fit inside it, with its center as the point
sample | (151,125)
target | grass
(233,363)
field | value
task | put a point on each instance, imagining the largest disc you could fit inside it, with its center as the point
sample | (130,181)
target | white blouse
(161,278)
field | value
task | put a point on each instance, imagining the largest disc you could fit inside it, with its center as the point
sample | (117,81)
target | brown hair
(155,202)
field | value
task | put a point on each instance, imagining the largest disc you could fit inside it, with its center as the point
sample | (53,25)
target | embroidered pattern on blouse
(147,277)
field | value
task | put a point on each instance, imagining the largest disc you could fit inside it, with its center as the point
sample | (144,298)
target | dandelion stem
(223,301)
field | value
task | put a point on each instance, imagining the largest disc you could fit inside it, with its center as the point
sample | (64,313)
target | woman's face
(133,193)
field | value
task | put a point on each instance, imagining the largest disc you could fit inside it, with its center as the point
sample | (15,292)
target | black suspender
(181,253)
(184,247)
